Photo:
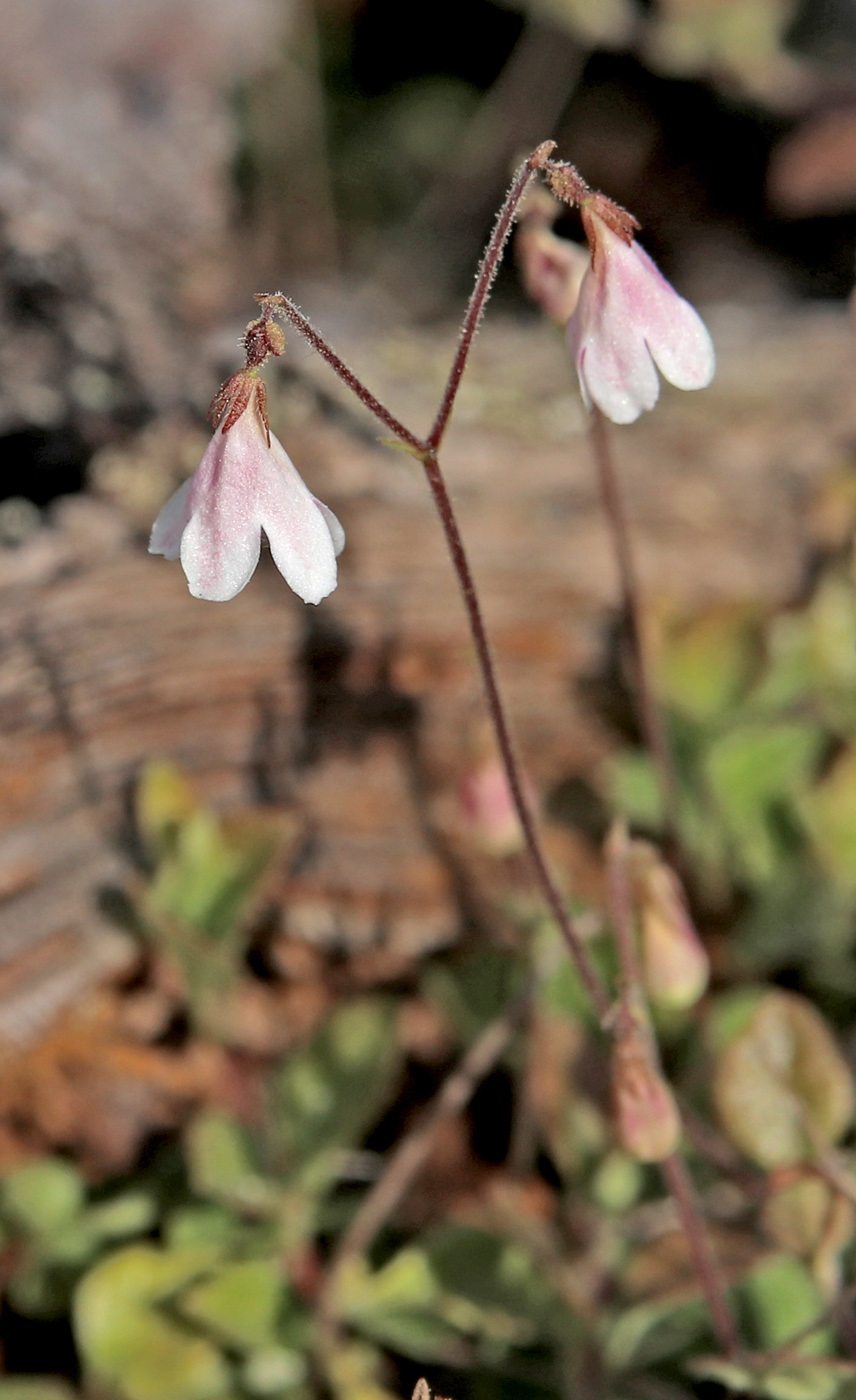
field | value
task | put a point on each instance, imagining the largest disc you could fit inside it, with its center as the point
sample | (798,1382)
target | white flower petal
(301,539)
(334,525)
(613,362)
(619,378)
(628,317)
(170,524)
(222,540)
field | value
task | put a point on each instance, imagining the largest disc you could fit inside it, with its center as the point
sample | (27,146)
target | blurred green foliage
(763,715)
(210,1277)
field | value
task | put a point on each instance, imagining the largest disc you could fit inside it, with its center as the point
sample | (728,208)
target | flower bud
(487,811)
(646,1115)
(552,269)
(675,964)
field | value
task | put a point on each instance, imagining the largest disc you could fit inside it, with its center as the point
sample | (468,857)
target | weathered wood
(105,659)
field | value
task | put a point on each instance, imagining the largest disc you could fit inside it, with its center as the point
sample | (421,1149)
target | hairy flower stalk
(245,484)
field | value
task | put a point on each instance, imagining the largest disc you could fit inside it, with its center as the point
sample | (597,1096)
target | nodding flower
(629,322)
(245,484)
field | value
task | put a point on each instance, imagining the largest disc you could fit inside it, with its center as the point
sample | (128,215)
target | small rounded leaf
(782,1087)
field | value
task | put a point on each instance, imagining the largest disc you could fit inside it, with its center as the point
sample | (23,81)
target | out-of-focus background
(258,885)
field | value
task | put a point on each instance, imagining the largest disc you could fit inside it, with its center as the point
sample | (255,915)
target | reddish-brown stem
(426,452)
(674,1169)
(412,1151)
(302,324)
(488,268)
(621,904)
(650,714)
(683,1194)
(576,946)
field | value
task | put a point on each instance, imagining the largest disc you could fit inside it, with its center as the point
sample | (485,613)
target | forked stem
(413,1151)
(485,277)
(426,451)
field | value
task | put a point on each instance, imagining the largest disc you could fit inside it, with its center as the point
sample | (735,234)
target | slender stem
(488,268)
(427,454)
(588,973)
(413,1150)
(683,1193)
(621,903)
(650,713)
(674,1168)
(302,324)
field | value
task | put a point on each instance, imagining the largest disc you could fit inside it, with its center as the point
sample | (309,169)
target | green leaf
(132,1213)
(740,1379)
(189,1226)
(785,1381)
(221,1166)
(210,877)
(43,1196)
(273,1370)
(651,1332)
(634,790)
(135,1350)
(329,1093)
(812,649)
(164,801)
(706,661)
(239,1303)
(782,1088)
(495,1273)
(474,989)
(754,773)
(618,1182)
(398,1306)
(794,1382)
(784,1298)
(829,814)
(35,1388)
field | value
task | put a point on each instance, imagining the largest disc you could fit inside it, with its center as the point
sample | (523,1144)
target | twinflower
(245,484)
(629,322)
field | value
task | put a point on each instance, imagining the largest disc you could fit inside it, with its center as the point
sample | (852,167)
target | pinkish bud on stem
(646,1116)
(552,268)
(675,965)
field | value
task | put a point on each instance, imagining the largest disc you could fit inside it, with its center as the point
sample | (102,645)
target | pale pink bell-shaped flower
(628,323)
(245,484)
